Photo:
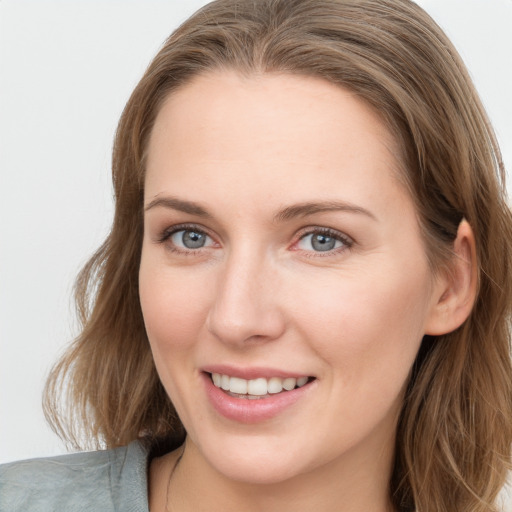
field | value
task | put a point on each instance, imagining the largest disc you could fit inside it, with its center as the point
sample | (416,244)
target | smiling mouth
(255,389)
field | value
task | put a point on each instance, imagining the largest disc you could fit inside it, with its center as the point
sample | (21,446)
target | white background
(66,70)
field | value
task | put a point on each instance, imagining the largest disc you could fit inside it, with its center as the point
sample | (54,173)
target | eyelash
(331,233)
(169,232)
(328,232)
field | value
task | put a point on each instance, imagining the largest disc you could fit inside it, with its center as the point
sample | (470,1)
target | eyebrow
(310,208)
(286,214)
(179,205)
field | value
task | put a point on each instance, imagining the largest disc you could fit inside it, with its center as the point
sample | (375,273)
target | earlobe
(456,289)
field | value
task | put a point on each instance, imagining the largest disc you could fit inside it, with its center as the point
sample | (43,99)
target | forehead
(267,131)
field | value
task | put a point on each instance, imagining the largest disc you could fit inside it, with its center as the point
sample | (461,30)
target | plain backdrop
(66,70)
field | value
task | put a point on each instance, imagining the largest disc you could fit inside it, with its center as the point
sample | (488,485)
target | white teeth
(256,388)
(238,386)
(301,381)
(224,382)
(275,385)
(289,383)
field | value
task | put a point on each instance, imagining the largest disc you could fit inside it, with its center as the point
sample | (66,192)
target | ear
(455,289)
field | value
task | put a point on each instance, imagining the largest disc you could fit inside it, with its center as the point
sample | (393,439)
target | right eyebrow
(178,204)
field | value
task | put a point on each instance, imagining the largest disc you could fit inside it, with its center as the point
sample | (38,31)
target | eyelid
(347,241)
(166,234)
(170,230)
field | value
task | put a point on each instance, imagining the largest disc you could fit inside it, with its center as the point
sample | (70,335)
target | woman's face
(280,249)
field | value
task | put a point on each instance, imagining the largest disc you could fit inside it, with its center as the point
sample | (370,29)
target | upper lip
(251,372)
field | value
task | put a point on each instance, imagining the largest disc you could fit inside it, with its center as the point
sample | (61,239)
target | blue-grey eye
(319,242)
(190,239)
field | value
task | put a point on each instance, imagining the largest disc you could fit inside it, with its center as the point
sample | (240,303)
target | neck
(349,485)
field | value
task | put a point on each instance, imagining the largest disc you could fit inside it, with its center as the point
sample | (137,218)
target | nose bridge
(245,305)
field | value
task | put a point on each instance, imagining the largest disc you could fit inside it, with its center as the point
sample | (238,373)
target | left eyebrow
(305,209)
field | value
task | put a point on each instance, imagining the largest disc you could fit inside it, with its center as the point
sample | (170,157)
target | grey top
(103,481)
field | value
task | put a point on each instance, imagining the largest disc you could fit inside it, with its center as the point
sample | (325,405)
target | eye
(323,240)
(187,239)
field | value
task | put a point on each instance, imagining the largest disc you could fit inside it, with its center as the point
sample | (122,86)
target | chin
(259,474)
(255,466)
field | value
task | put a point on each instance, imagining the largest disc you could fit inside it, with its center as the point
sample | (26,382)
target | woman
(304,299)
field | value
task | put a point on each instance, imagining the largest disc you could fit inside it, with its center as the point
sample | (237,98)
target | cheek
(173,305)
(367,329)
(173,310)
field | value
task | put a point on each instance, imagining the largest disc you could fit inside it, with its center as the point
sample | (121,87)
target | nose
(246,306)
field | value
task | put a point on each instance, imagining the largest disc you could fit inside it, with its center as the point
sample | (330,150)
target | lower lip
(245,410)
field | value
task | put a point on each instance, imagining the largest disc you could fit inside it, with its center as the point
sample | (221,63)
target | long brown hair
(454,437)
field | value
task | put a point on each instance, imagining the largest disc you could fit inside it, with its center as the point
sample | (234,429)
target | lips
(254,395)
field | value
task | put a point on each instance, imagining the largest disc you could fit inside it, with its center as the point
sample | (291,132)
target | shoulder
(104,480)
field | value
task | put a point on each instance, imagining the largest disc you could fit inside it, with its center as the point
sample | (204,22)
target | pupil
(323,242)
(193,240)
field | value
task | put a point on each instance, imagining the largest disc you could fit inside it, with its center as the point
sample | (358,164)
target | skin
(259,294)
